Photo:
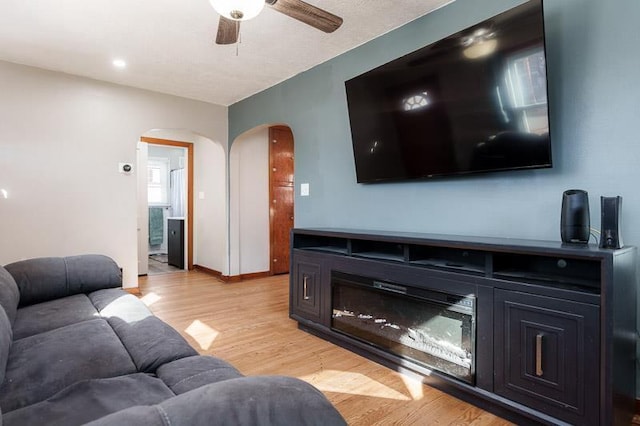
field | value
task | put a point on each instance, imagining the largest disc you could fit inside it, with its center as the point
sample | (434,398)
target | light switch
(201,195)
(304,189)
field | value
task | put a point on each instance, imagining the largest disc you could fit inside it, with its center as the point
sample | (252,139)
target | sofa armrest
(266,400)
(49,278)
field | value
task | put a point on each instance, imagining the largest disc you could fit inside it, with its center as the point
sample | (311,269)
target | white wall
(61,138)
(249,187)
(210,228)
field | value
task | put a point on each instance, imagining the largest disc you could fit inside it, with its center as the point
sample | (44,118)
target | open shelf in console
(379,250)
(321,243)
(548,270)
(462,260)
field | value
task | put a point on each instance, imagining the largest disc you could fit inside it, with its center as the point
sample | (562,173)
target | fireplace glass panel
(427,327)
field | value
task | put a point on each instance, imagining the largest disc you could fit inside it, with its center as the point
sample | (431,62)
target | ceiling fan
(232,12)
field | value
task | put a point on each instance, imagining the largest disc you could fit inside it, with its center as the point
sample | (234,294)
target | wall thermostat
(126,168)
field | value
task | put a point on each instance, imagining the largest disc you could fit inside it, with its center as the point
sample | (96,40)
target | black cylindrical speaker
(574,219)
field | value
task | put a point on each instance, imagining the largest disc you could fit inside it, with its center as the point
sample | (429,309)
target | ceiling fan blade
(310,15)
(228,31)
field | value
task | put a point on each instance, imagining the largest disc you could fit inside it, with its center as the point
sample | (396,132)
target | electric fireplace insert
(431,328)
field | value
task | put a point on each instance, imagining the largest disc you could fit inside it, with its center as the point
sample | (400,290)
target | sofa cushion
(5,343)
(189,373)
(49,278)
(151,342)
(91,272)
(41,365)
(103,396)
(140,415)
(117,303)
(9,294)
(38,279)
(46,316)
(267,400)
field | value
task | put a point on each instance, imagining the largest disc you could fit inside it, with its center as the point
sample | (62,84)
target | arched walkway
(249,203)
(209,198)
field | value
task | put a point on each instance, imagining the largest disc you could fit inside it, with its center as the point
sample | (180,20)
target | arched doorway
(205,215)
(260,172)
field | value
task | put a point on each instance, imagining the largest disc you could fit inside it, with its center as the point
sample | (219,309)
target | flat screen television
(473,102)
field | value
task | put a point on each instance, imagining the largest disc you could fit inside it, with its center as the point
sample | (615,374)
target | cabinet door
(547,355)
(305,290)
(175,243)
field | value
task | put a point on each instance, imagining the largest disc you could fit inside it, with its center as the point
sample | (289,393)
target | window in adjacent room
(158,181)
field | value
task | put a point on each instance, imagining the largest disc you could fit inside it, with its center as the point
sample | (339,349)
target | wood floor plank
(247,324)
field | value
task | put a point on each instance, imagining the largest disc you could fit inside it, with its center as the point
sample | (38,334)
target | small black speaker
(610,210)
(574,219)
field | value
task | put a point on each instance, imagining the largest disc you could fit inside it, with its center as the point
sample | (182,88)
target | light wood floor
(156,267)
(247,324)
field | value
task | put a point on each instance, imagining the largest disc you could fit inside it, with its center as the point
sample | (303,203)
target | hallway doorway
(165,205)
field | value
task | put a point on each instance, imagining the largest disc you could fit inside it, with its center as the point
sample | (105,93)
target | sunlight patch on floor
(202,333)
(348,382)
(150,298)
(414,387)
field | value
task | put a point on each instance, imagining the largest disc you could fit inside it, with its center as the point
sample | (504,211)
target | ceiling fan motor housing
(238,10)
(232,12)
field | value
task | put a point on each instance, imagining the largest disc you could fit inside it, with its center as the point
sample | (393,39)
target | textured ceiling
(169,44)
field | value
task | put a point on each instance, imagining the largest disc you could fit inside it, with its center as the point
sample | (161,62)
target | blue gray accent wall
(594,102)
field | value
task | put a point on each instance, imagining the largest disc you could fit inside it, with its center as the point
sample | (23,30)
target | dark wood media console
(553,326)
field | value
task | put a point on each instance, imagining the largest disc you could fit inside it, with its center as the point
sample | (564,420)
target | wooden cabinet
(175,242)
(547,355)
(305,295)
(555,325)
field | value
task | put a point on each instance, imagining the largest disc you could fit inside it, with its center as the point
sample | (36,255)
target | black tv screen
(473,102)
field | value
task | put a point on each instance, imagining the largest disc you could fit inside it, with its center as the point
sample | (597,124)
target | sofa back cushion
(6,336)
(9,294)
(151,342)
(48,278)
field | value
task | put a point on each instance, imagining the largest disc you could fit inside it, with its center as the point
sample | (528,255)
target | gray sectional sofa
(75,348)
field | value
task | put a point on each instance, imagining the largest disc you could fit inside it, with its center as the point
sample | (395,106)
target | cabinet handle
(539,355)
(305,295)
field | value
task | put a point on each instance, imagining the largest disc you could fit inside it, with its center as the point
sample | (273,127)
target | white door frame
(142,208)
(189,205)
